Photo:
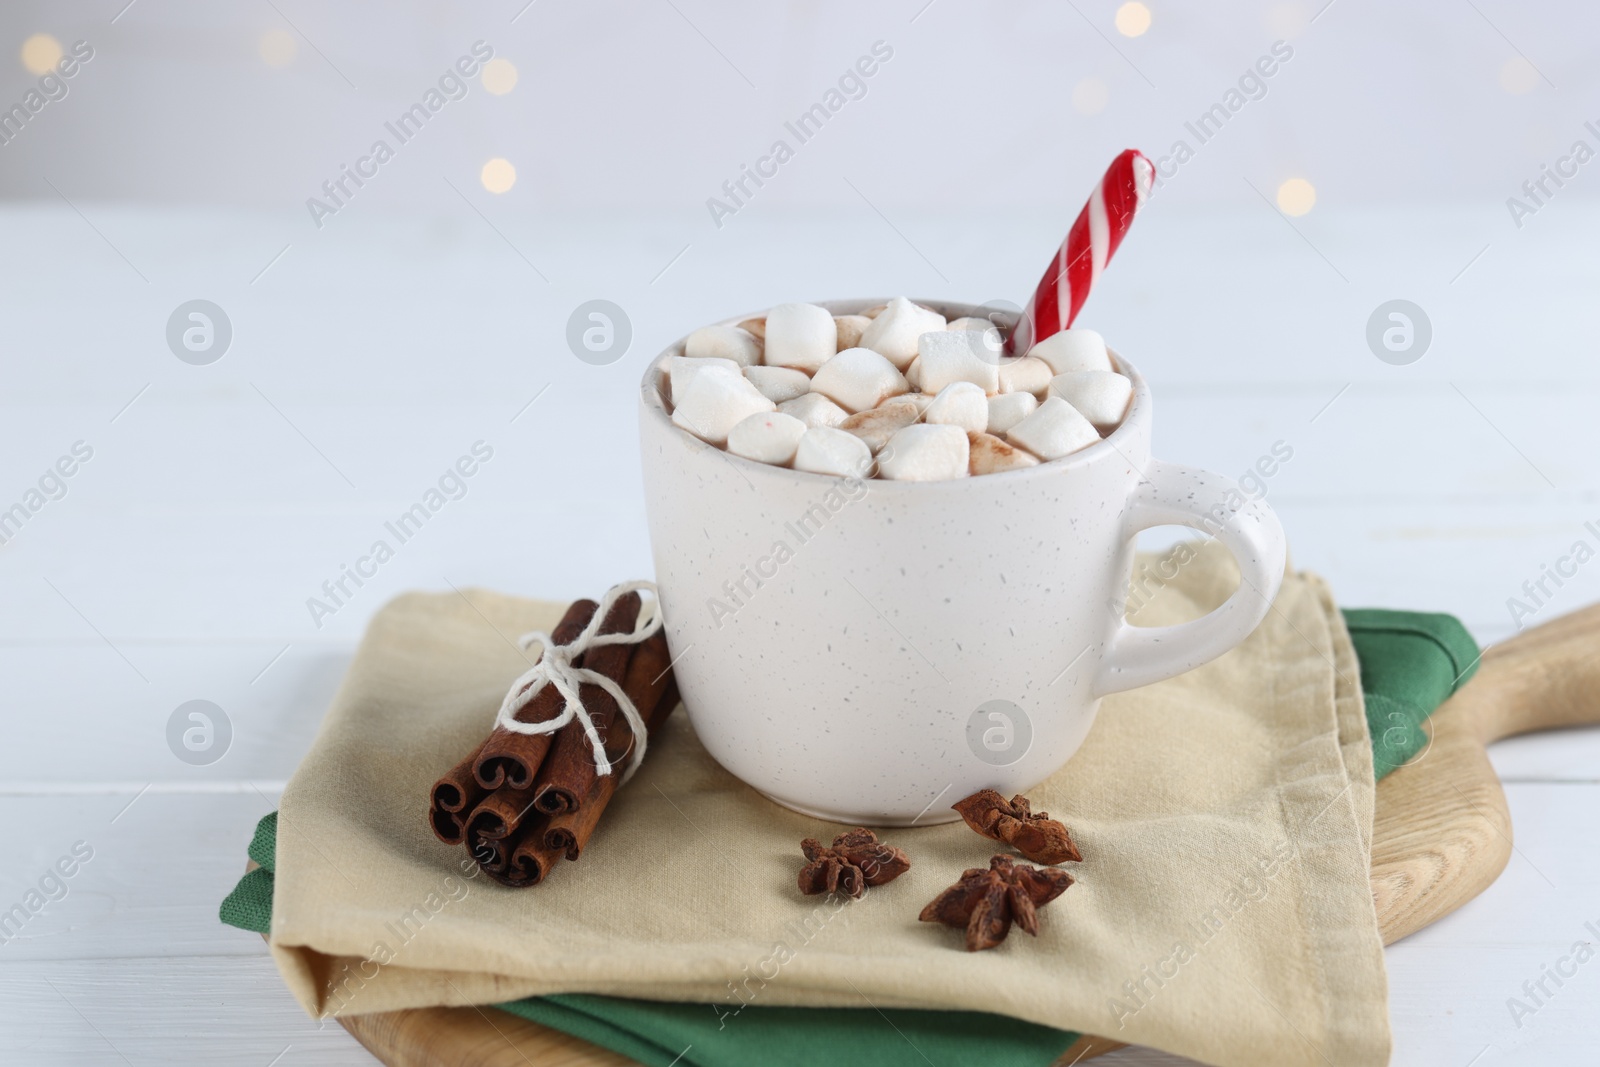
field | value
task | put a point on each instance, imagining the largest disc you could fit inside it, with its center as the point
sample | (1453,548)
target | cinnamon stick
(499,814)
(654,691)
(531,859)
(455,794)
(496,820)
(488,800)
(490,855)
(510,758)
(569,768)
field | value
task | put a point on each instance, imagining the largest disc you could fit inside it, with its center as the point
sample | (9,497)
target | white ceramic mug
(871,651)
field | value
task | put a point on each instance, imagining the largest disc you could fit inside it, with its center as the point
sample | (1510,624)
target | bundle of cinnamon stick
(523,802)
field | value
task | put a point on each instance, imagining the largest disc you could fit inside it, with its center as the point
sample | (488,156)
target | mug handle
(1174,495)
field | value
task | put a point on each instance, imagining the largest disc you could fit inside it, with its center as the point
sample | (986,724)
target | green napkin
(663,1034)
(249,906)
(1410,663)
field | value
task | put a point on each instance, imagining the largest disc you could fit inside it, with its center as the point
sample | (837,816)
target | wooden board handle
(1541,679)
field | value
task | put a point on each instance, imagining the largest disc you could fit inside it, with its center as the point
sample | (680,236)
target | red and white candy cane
(1090,243)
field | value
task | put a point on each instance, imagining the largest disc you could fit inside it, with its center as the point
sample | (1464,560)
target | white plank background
(375,352)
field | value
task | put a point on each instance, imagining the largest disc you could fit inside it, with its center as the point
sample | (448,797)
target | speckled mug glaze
(844,679)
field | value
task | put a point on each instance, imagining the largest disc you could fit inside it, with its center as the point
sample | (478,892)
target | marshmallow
(681,370)
(848,329)
(1030,374)
(922,400)
(959,404)
(801,336)
(895,331)
(957,357)
(913,373)
(814,409)
(1071,350)
(990,455)
(1101,396)
(723,342)
(714,403)
(778,384)
(1008,409)
(767,437)
(857,379)
(1054,430)
(824,450)
(923,453)
(875,427)
(992,337)
(756,328)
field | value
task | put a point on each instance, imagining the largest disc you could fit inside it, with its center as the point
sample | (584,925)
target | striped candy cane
(1093,239)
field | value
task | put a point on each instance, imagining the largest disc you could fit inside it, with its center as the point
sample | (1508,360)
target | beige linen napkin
(1222,910)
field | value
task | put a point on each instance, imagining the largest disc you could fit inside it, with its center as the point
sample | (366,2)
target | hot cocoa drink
(896,392)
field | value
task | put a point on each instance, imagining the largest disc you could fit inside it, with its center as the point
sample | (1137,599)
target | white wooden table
(368,356)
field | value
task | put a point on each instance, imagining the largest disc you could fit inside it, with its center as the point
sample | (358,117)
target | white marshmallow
(1101,396)
(913,373)
(1029,374)
(875,427)
(990,455)
(1071,350)
(1054,430)
(768,437)
(857,379)
(848,330)
(681,370)
(993,338)
(923,453)
(715,403)
(895,331)
(801,336)
(814,409)
(824,450)
(957,357)
(756,328)
(778,384)
(723,342)
(922,400)
(1008,409)
(959,404)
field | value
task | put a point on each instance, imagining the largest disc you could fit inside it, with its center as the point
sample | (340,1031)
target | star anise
(855,860)
(987,902)
(1034,834)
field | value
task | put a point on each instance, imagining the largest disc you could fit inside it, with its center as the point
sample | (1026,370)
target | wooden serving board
(1442,834)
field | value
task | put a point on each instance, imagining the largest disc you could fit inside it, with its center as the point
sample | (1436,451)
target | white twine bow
(556,667)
